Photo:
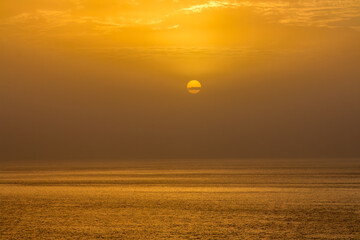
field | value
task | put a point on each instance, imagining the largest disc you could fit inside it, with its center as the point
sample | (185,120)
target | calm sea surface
(193,199)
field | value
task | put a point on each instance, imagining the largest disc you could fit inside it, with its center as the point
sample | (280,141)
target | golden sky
(93,79)
(119,23)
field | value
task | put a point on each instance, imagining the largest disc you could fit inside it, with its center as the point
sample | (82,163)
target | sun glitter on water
(194,86)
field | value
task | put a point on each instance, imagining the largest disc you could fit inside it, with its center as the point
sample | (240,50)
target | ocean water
(178,199)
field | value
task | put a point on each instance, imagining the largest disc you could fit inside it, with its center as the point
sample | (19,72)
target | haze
(87,79)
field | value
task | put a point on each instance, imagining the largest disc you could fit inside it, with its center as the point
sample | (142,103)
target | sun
(194,86)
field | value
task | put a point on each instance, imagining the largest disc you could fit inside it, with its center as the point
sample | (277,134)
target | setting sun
(194,86)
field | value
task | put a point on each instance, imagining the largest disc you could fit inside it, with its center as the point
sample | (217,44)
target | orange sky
(107,79)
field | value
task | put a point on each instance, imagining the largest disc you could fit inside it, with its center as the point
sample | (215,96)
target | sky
(91,79)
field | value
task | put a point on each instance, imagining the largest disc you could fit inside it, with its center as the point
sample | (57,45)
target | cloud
(49,22)
(323,13)
(211,4)
(72,18)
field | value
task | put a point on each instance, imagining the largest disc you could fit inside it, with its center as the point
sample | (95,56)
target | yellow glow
(185,38)
(109,23)
(194,86)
